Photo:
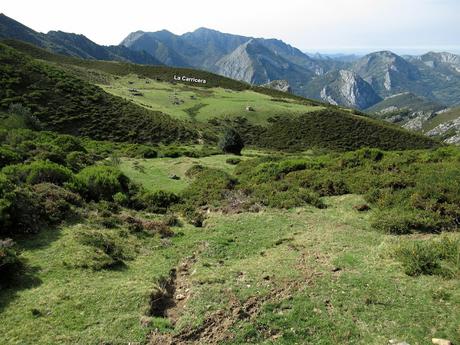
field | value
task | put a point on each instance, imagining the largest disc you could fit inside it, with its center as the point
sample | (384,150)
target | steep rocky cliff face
(386,72)
(256,64)
(343,87)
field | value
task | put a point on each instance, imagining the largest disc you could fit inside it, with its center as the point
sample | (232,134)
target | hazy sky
(311,25)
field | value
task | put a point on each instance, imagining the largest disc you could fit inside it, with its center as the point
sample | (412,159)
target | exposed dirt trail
(216,327)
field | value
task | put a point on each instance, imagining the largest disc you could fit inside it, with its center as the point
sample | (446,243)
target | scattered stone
(438,341)
(267,277)
(397,342)
(180,297)
(249,108)
(336,269)
(362,208)
(145,321)
(174,177)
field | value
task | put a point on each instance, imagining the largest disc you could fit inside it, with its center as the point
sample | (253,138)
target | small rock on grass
(397,342)
(438,341)
(180,297)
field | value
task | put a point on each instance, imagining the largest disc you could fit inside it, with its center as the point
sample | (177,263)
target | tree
(231,142)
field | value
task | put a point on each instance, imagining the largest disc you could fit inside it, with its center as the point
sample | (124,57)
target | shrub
(77,160)
(56,202)
(8,156)
(209,186)
(121,199)
(43,171)
(361,157)
(38,172)
(405,221)
(436,256)
(231,142)
(281,195)
(48,152)
(101,182)
(9,259)
(134,225)
(107,248)
(158,227)
(323,183)
(193,216)
(172,220)
(24,116)
(69,143)
(23,212)
(156,202)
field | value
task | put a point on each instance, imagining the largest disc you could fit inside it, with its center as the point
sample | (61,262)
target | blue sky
(404,26)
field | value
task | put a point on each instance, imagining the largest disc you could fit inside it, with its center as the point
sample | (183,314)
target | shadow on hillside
(24,275)
(21,277)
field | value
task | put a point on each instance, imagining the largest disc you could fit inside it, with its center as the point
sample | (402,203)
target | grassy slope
(155,174)
(406,101)
(202,104)
(68,104)
(368,301)
(450,115)
(161,73)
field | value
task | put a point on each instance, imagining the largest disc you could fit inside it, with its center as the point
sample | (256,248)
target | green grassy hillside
(68,104)
(404,102)
(194,103)
(443,117)
(62,94)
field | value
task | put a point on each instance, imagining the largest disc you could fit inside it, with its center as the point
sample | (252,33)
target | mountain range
(370,83)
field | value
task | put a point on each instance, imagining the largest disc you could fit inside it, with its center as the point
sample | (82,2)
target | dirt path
(216,327)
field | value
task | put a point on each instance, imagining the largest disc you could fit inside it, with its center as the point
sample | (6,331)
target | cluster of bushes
(409,190)
(46,178)
(331,129)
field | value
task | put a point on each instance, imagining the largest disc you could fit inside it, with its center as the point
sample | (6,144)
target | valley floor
(300,276)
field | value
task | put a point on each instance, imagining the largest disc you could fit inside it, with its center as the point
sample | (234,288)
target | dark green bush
(101,182)
(361,157)
(121,199)
(156,202)
(23,213)
(56,202)
(158,227)
(48,152)
(405,221)
(43,171)
(38,172)
(77,160)
(108,248)
(231,142)
(193,216)
(8,156)
(68,143)
(9,259)
(209,186)
(432,257)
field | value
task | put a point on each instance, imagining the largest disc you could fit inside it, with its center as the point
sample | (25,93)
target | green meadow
(192,103)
